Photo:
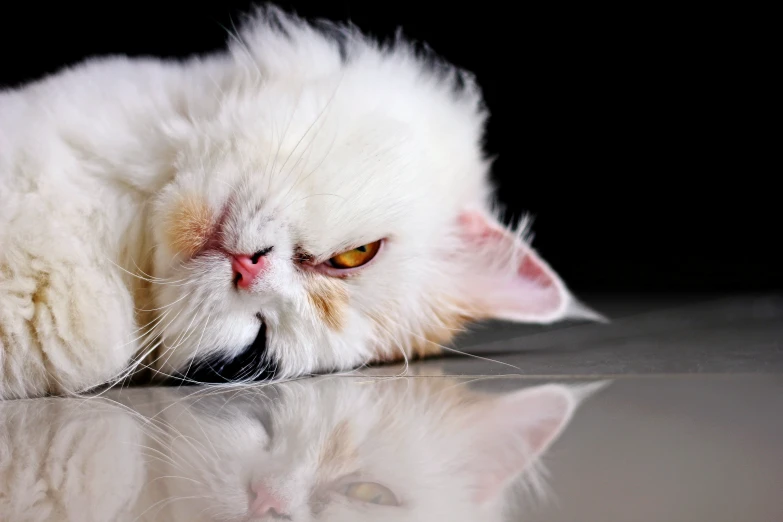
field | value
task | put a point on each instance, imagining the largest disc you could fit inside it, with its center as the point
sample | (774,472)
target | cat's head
(346,450)
(330,209)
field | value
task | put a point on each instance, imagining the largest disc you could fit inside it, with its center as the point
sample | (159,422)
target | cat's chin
(251,364)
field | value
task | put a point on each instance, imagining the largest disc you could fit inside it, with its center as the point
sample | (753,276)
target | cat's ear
(511,432)
(506,279)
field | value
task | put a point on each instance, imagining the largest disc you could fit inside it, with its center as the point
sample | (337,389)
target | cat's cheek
(189,225)
(329,300)
(438,325)
(186,215)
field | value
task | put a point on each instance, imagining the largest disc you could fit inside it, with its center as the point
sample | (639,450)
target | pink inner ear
(532,271)
(506,276)
(513,432)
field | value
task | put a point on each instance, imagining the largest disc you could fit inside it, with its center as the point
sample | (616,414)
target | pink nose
(265,503)
(247,268)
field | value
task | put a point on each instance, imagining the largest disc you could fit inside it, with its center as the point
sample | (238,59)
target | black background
(636,136)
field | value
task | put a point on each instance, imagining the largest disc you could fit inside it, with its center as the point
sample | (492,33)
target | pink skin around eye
(326,269)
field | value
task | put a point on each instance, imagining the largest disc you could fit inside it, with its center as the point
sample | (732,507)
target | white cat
(307,201)
(328,449)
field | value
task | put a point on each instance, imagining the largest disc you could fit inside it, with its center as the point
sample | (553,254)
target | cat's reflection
(327,449)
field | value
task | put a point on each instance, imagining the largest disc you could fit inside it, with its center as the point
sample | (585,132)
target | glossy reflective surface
(456,439)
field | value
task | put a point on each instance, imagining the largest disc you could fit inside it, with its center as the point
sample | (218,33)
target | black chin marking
(253,364)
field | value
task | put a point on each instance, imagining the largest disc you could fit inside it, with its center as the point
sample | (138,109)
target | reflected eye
(356,257)
(370,493)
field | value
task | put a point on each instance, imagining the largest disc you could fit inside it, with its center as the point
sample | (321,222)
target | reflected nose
(266,503)
(248,267)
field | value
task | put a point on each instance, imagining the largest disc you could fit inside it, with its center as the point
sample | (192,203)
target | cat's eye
(356,257)
(370,493)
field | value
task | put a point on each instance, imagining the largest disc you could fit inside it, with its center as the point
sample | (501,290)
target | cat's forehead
(367,113)
(339,163)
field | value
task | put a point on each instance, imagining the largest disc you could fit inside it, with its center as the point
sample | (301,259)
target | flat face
(672,412)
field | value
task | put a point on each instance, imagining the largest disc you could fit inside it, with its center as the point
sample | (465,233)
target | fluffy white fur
(445,452)
(277,142)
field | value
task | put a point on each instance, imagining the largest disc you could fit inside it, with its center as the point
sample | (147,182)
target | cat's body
(192,215)
(328,450)
(77,168)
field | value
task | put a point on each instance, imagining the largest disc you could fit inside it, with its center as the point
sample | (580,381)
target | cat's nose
(266,503)
(248,268)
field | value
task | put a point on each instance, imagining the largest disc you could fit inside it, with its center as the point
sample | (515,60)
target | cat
(323,449)
(307,201)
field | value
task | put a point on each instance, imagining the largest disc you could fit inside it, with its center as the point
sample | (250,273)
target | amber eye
(370,493)
(356,257)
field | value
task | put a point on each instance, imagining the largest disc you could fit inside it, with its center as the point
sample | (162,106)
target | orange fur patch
(330,299)
(339,452)
(441,326)
(190,225)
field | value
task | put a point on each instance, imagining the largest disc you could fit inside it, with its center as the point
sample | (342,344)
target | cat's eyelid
(347,478)
(344,485)
(302,256)
(354,246)
(323,266)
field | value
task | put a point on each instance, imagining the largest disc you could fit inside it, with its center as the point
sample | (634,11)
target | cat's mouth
(252,364)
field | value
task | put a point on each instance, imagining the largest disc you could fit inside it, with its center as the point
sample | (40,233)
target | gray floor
(695,449)
(678,335)
(688,428)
